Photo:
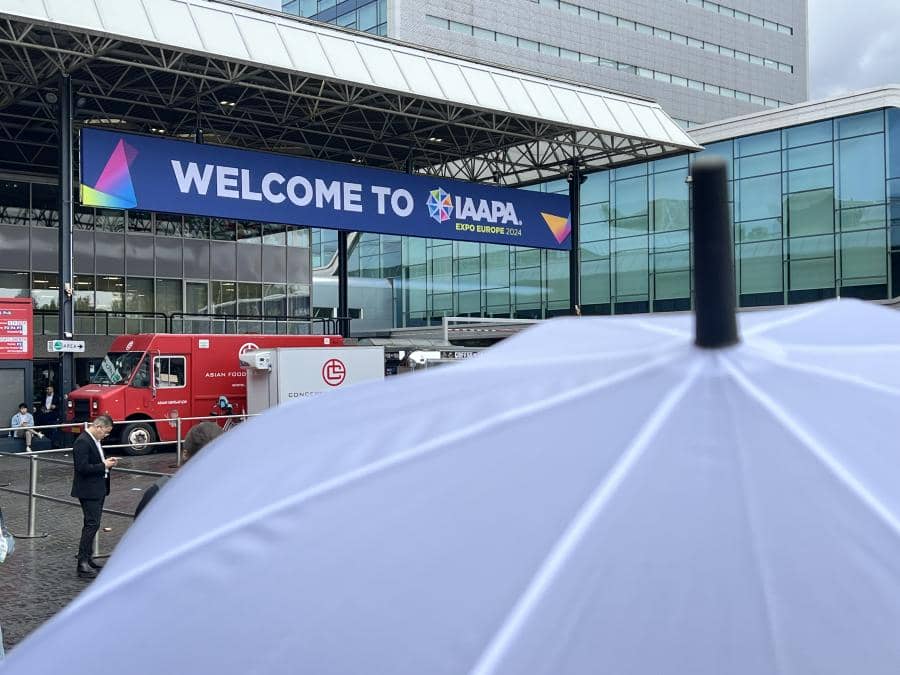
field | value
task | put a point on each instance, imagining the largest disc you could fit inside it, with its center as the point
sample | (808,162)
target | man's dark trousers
(92,509)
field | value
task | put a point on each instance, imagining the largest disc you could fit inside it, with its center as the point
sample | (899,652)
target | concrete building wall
(574,26)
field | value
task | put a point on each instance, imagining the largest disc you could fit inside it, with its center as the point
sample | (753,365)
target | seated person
(22,421)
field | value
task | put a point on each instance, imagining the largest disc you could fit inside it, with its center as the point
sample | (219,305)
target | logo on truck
(333,372)
(247,347)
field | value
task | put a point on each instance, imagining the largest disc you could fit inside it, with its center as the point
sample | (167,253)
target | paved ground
(39,579)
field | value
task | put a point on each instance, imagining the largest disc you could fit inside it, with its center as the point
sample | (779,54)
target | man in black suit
(90,485)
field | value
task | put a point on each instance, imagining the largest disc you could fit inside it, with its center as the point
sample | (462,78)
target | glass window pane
(224,297)
(44,205)
(811,212)
(249,299)
(196,297)
(248,232)
(630,197)
(84,292)
(759,230)
(857,125)
(758,165)
(168,225)
(595,281)
(810,155)
(14,202)
(863,257)
(809,274)
(110,293)
(819,132)
(222,229)
(13,284)
(168,295)
(893,118)
(109,220)
(754,145)
(810,179)
(632,268)
(759,198)
(140,221)
(865,218)
(670,201)
(139,295)
(298,236)
(861,171)
(274,300)
(760,267)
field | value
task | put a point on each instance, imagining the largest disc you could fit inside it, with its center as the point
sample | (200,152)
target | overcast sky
(853,44)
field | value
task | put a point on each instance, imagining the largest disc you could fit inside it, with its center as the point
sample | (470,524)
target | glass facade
(365,15)
(134,261)
(816,213)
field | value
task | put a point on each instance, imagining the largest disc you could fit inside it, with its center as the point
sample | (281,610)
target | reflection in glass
(14,197)
(45,290)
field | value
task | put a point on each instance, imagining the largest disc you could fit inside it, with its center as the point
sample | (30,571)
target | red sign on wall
(16,328)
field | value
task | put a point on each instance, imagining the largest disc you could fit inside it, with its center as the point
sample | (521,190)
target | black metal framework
(125,84)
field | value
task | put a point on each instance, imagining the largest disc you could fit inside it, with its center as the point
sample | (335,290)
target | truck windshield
(117,367)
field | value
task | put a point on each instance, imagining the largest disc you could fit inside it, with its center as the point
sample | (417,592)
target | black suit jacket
(88,481)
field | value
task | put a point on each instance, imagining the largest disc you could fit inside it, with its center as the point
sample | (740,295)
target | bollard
(95,547)
(32,501)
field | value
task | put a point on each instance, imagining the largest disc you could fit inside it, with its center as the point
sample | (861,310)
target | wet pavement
(39,578)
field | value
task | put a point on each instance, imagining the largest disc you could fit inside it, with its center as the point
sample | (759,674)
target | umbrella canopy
(591,496)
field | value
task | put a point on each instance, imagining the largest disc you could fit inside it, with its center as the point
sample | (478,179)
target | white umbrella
(591,496)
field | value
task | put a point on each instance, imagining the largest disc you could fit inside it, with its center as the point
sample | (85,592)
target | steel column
(575,179)
(343,284)
(66,280)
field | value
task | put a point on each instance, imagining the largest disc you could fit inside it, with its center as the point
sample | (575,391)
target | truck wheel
(138,436)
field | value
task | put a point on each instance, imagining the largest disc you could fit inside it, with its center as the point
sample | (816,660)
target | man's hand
(111,462)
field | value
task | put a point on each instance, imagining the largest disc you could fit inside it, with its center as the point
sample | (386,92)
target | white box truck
(285,374)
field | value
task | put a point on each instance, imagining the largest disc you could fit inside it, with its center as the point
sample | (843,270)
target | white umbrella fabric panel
(593,495)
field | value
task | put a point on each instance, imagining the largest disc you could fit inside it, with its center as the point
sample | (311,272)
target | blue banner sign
(129,171)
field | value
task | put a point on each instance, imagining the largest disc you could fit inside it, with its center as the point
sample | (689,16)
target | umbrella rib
(753,528)
(497,364)
(834,375)
(818,450)
(792,317)
(565,547)
(351,477)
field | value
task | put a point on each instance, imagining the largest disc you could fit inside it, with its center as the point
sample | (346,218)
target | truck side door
(170,382)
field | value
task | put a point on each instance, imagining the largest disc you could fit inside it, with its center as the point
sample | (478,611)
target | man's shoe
(85,571)
(96,565)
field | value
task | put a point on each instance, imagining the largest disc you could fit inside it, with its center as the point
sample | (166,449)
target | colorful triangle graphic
(559,226)
(114,188)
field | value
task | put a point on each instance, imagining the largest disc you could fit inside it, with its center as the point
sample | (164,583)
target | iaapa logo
(114,188)
(441,206)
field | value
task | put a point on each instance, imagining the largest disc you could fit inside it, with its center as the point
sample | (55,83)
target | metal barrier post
(32,501)
(95,546)
(178,446)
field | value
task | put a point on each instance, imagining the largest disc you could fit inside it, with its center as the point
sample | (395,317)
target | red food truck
(163,376)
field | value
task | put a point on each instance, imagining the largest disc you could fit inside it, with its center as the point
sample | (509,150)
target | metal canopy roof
(268,81)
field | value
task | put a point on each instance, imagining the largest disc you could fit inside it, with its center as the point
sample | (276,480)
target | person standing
(50,413)
(90,484)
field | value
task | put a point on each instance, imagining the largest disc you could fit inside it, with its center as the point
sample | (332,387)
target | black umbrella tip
(714,288)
